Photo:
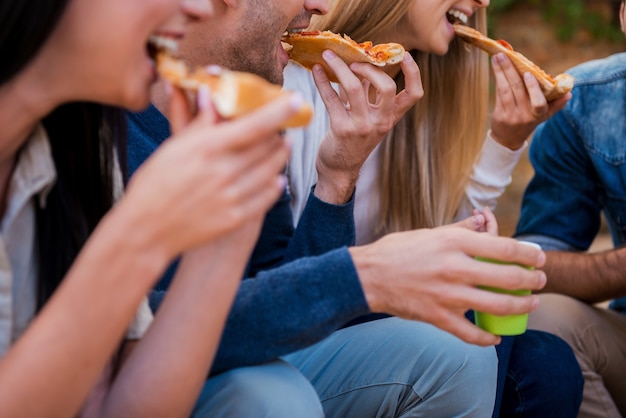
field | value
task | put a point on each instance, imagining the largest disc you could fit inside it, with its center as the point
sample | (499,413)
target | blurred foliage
(568,17)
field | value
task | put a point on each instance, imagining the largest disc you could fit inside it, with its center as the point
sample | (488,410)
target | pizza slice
(552,87)
(234,93)
(306,49)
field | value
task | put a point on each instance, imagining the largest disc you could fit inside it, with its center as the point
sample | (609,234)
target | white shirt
(32,179)
(490,177)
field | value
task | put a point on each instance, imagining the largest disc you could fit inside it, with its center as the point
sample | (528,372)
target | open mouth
(286,46)
(455,16)
(161,44)
(292,31)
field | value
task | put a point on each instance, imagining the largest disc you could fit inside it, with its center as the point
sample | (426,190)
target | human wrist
(506,140)
(335,186)
(146,245)
(367,269)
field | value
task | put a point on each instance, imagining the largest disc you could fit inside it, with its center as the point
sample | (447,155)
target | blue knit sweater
(300,286)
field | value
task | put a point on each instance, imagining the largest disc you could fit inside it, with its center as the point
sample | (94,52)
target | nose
(197,9)
(482,3)
(316,7)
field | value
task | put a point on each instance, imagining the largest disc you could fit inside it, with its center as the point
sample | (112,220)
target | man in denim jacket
(579,157)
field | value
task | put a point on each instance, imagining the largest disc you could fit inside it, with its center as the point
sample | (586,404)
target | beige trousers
(598,338)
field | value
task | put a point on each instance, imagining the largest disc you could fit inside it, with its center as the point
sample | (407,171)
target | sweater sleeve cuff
(333,221)
(497,162)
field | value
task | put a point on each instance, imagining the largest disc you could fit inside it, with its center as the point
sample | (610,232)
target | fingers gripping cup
(508,324)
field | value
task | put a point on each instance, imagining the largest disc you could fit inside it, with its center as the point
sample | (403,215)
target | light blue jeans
(397,368)
(275,389)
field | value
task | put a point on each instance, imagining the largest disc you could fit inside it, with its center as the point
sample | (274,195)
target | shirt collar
(35,170)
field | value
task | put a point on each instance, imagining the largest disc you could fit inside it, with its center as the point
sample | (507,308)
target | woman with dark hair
(76,259)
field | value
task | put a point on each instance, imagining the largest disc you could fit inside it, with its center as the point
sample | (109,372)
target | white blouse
(490,177)
(33,177)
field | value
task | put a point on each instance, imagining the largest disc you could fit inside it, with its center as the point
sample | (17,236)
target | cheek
(162,9)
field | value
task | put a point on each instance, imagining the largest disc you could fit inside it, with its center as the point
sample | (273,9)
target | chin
(440,49)
(136,102)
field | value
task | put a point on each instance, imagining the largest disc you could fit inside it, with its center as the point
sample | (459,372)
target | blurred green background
(598,17)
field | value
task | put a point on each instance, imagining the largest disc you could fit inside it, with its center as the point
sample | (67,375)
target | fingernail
(535,304)
(296,100)
(204,96)
(478,220)
(542,259)
(282,181)
(407,57)
(288,142)
(328,54)
(318,69)
(214,69)
(528,76)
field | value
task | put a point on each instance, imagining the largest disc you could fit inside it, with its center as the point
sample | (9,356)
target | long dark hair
(84,138)
(24,27)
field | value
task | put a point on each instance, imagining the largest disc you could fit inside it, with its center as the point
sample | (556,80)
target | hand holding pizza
(520,104)
(364,110)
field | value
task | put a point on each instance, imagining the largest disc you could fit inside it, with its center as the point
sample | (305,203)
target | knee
(559,315)
(279,398)
(277,391)
(554,357)
(470,367)
(545,369)
(476,364)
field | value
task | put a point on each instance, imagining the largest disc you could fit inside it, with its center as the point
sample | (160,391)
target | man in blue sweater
(303,286)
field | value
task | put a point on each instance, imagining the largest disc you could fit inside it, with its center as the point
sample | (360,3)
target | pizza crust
(306,49)
(233,93)
(552,87)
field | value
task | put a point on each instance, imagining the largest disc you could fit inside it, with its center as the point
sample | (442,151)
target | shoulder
(607,70)
(146,131)
(596,82)
(149,123)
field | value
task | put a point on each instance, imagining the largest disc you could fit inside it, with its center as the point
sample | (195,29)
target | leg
(275,389)
(397,368)
(598,338)
(543,378)
(503,350)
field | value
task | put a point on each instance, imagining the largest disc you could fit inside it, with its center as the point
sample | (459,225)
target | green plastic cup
(508,324)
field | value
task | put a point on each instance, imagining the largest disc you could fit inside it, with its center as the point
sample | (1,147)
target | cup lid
(530,244)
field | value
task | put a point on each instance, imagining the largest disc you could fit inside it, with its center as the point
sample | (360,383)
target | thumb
(179,109)
(181,112)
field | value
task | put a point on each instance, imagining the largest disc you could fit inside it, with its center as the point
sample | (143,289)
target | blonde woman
(443,159)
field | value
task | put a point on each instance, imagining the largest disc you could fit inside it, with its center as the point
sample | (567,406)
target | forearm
(82,324)
(590,277)
(181,344)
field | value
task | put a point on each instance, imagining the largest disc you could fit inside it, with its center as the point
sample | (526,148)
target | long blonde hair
(427,159)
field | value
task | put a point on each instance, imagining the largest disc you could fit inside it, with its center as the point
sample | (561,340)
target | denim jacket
(579,157)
